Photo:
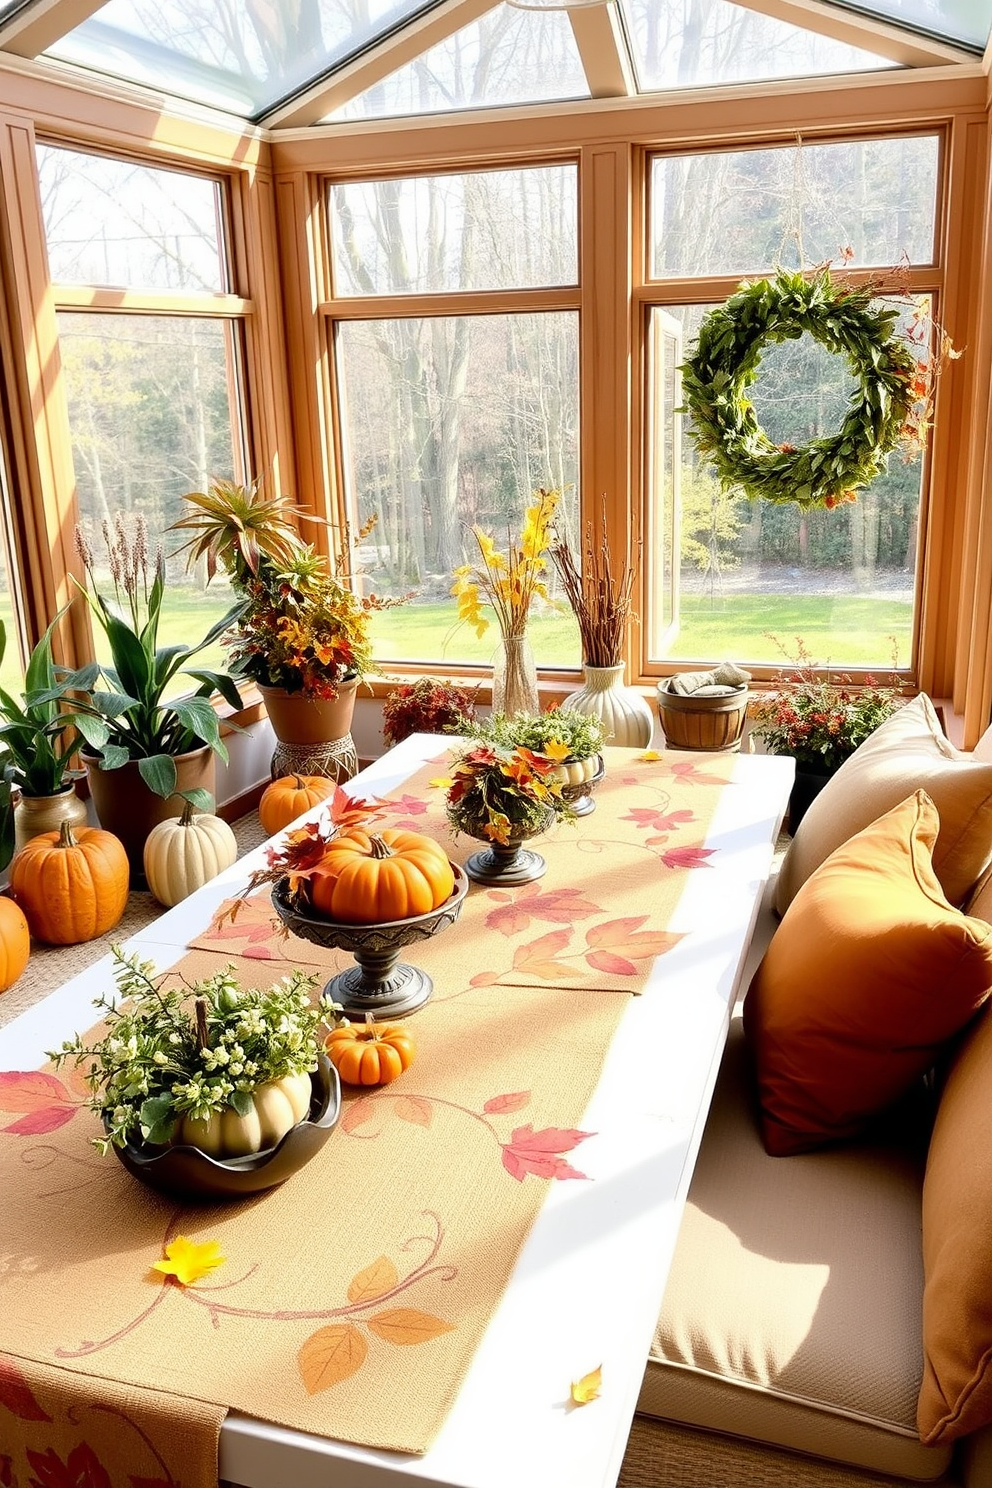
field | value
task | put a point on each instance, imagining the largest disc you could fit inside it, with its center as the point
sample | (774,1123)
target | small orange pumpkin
(287,798)
(370,1055)
(366,878)
(15,942)
(72,884)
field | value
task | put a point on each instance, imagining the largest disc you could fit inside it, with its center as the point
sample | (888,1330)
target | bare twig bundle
(600,596)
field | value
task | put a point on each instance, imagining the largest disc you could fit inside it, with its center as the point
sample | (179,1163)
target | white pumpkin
(573,772)
(276,1107)
(183,853)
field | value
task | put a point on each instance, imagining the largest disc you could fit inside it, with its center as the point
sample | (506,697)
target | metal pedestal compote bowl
(380,984)
(579,795)
(507,865)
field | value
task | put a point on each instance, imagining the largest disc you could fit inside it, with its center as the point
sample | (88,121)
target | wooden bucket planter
(705,723)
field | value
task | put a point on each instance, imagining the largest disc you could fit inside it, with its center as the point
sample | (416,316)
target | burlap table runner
(598,918)
(351,1299)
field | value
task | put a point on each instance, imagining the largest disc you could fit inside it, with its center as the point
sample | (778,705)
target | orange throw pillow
(956,1393)
(870,972)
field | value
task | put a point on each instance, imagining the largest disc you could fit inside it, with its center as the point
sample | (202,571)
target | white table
(589,1281)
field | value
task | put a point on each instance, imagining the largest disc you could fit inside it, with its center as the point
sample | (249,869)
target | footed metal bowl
(191,1175)
(380,984)
(579,795)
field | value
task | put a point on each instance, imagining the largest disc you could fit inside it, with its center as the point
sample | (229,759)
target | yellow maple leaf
(441,782)
(649,756)
(189,1260)
(587,1388)
(555,750)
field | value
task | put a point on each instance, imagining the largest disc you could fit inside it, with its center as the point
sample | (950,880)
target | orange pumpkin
(287,798)
(370,1055)
(72,884)
(368,878)
(15,942)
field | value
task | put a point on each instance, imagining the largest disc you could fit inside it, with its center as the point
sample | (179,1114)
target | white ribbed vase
(625,715)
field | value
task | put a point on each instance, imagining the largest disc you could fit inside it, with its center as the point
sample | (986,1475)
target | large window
(741,579)
(151,352)
(450,417)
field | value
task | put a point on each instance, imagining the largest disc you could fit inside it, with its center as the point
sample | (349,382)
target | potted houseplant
(819,718)
(37,739)
(431,705)
(146,752)
(302,634)
(213,1066)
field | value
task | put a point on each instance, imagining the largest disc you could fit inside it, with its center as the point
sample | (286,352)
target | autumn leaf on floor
(588,1387)
(189,1260)
(539,1152)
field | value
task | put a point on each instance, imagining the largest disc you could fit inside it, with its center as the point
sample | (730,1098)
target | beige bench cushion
(793,1308)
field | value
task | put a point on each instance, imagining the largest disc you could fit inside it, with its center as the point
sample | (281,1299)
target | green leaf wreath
(716,376)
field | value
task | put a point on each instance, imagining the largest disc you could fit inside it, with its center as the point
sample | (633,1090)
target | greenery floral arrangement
(600,596)
(545,733)
(500,791)
(130,717)
(891,403)
(817,717)
(302,626)
(430,705)
(190,1050)
(508,583)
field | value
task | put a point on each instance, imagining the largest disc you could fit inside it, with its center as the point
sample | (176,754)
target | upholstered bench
(809,1300)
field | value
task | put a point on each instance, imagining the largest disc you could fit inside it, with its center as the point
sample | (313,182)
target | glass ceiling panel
(230,54)
(700,43)
(508,56)
(968,21)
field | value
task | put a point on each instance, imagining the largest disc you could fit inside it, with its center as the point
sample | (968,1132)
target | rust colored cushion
(869,974)
(956,1393)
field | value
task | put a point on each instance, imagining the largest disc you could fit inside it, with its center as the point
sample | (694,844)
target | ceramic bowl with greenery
(212,1065)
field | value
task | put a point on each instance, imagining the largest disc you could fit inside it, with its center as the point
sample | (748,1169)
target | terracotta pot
(36,814)
(299,719)
(125,806)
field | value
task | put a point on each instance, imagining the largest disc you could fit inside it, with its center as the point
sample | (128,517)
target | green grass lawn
(844,630)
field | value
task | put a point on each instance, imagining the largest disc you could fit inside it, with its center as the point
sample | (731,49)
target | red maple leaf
(7,1478)
(687,857)
(16,1395)
(81,1469)
(539,1152)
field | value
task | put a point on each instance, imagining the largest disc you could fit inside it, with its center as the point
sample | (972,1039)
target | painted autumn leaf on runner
(539,1152)
(41,1102)
(16,1395)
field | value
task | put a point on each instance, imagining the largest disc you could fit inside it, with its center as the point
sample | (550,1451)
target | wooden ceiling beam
(32,30)
(598,33)
(410,42)
(872,35)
